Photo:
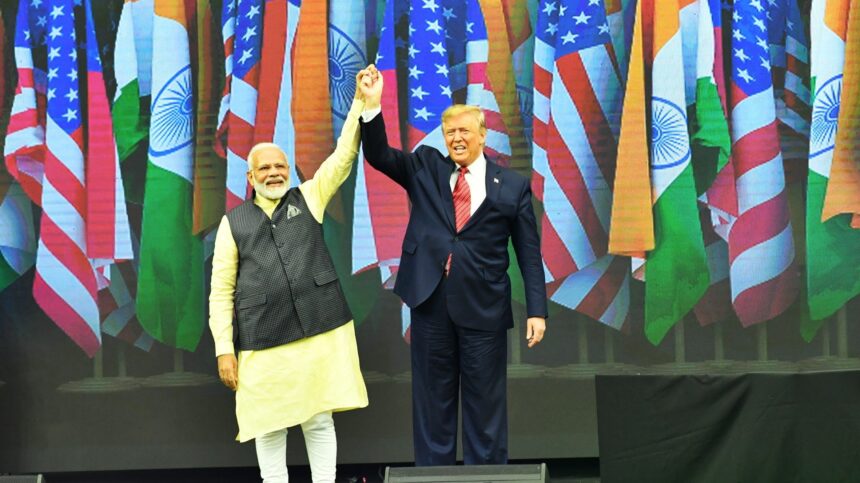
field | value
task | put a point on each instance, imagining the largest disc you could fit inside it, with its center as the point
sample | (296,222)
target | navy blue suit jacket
(478,287)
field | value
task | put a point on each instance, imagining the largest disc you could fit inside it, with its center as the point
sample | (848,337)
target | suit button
(456,238)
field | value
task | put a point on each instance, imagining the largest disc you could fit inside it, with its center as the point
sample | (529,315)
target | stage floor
(580,470)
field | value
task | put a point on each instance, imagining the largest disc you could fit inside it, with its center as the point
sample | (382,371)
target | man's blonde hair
(260,147)
(457,109)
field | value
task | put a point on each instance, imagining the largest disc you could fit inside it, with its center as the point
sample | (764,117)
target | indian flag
(133,54)
(676,271)
(833,245)
(170,286)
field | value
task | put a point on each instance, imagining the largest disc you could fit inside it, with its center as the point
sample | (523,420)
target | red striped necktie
(462,205)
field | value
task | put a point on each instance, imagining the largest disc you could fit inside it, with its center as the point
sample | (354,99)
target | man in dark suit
(453,275)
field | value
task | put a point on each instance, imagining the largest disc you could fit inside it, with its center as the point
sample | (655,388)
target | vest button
(456,238)
(274,226)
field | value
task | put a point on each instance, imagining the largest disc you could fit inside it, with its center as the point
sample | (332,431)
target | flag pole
(179,377)
(843,359)
(99,383)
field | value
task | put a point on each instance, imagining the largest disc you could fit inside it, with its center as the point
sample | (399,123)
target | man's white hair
(260,147)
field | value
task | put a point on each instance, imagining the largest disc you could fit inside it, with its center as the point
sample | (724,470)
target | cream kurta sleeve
(319,190)
(225,263)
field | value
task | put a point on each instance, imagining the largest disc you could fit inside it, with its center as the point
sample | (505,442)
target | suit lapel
(443,178)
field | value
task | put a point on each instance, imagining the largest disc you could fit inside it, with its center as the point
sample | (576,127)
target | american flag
(381,207)
(242,25)
(65,285)
(108,232)
(764,279)
(576,120)
(25,137)
(435,49)
(789,55)
(479,90)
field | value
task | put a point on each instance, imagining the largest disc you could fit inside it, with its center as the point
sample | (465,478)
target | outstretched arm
(394,163)
(320,189)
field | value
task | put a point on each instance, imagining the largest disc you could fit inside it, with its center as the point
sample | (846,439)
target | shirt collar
(478,168)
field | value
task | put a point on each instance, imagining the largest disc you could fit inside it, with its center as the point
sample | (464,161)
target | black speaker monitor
(530,473)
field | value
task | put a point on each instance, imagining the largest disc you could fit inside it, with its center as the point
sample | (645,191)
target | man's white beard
(273,194)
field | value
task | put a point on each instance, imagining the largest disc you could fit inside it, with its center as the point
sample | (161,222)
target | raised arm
(320,189)
(394,163)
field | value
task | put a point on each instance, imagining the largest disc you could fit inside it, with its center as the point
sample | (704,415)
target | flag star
(52,93)
(736,16)
(592,3)
(438,48)
(253,12)
(582,18)
(250,32)
(419,93)
(71,95)
(561,10)
(229,6)
(411,30)
(772,3)
(759,23)
(790,24)
(569,38)
(423,113)
(57,11)
(70,115)
(73,74)
(738,35)
(74,54)
(442,69)
(414,71)
(53,53)
(434,26)
(36,3)
(26,35)
(739,53)
(378,58)
(430,5)
(551,28)
(549,8)
(448,13)
(765,63)
(52,73)
(446,91)
(469,26)
(413,51)
(42,21)
(757,5)
(246,54)
(767,14)
(761,42)
(78,3)
(56,32)
(745,75)
(604,29)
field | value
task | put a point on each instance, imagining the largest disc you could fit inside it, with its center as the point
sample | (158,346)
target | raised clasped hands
(369,86)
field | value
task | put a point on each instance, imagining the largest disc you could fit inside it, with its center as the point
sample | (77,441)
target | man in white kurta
(300,382)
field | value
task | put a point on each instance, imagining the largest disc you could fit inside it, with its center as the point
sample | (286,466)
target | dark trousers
(448,360)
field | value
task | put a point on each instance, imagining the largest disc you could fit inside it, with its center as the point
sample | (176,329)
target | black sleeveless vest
(286,288)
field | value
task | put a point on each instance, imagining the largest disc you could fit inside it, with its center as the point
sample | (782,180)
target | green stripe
(832,259)
(7,274)
(710,142)
(129,122)
(170,298)
(676,272)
